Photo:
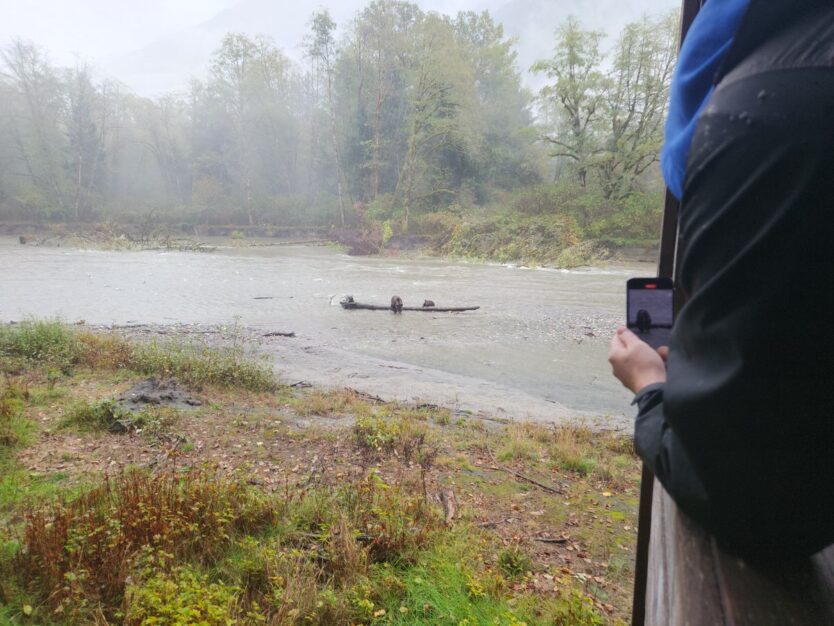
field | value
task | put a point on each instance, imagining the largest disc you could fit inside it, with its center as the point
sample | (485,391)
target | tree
(578,94)
(505,154)
(635,102)
(322,48)
(408,111)
(85,138)
(442,87)
(37,135)
(251,131)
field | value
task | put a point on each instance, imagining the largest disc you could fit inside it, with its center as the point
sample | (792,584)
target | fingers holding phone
(638,353)
(634,362)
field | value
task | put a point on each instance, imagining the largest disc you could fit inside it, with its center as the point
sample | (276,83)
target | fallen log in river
(351,305)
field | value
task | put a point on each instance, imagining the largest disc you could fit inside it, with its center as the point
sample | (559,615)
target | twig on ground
(532,481)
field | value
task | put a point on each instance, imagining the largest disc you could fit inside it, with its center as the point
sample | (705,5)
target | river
(536,348)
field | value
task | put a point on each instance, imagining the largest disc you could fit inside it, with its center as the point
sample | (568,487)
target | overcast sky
(157,45)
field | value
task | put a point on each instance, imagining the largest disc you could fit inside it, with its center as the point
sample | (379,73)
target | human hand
(634,362)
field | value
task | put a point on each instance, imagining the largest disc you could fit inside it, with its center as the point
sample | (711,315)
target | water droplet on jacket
(763,95)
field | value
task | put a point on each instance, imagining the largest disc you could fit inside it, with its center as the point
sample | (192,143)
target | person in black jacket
(736,417)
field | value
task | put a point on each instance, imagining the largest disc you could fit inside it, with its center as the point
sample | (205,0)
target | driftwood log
(351,305)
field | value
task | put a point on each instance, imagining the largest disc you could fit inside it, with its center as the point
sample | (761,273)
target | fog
(156,46)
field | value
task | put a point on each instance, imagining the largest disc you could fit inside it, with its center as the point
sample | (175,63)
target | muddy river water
(536,348)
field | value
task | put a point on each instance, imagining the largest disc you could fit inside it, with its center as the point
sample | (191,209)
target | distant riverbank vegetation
(401,124)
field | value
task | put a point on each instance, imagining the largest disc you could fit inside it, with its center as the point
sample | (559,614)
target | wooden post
(667,267)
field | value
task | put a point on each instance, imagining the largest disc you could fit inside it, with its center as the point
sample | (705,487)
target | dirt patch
(153,392)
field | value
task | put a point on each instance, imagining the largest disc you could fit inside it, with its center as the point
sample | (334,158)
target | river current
(537,344)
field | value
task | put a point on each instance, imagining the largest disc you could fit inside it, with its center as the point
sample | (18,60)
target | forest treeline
(399,122)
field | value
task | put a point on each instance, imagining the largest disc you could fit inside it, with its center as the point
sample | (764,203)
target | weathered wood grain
(693,582)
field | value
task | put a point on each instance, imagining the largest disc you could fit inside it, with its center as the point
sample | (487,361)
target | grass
(576,449)
(153,422)
(55,346)
(329,403)
(96,416)
(350,531)
(200,365)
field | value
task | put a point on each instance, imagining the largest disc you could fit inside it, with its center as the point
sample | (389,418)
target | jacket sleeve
(662,452)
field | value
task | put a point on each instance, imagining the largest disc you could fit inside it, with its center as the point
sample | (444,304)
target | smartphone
(649,313)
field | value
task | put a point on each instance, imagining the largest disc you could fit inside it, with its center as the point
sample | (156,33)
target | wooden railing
(691,581)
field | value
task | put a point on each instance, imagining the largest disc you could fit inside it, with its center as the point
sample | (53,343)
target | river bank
(301,363)
(523,241)
(287,504)
(537,344)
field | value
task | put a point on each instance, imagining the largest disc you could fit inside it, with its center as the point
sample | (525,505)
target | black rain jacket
(742,433)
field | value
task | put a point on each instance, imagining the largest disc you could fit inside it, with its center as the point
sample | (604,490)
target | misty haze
(210,215)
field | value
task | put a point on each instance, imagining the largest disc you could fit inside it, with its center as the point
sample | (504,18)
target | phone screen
(649,309)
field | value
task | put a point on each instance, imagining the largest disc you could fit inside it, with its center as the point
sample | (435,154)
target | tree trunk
(78,183)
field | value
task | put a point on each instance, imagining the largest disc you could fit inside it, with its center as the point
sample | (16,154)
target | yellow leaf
(27,609)
(606,494)
(379,613)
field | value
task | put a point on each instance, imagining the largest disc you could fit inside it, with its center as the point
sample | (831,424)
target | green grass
(42,341)
(451,584)
(57,348)
(199,365)
(91,417)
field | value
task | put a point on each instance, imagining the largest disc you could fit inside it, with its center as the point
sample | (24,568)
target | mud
(153,392)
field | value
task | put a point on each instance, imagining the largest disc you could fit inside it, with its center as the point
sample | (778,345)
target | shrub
(395,525)
(197,365)
(95,540)
(573,449)
(15,429)
(328,544)
(404,436)
(180,598)
(585,253)
(92,417)
(47,342)
(513,237)
(514,562)
(110,351)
